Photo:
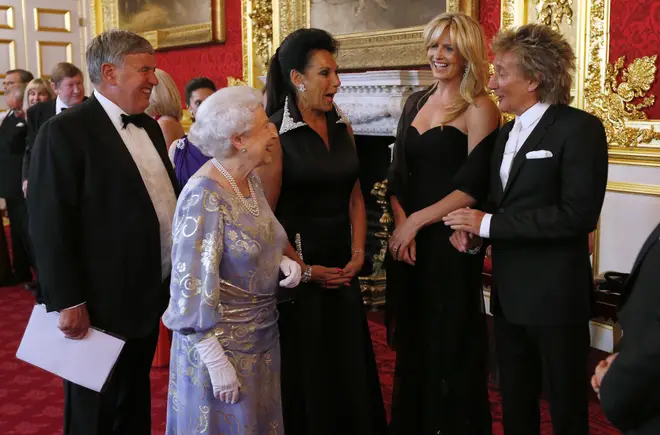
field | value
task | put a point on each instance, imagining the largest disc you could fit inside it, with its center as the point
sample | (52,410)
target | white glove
(291,271)
(223,375)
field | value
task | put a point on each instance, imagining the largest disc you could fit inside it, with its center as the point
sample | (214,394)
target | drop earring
(465,72)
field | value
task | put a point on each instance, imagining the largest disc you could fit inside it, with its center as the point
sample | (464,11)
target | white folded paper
(87,362)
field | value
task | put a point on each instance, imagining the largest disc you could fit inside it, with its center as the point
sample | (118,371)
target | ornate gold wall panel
(605,87)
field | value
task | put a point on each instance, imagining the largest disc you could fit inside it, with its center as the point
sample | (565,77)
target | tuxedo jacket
(94,228)
(630,390)
(541,221)
(37,116)
(12,146)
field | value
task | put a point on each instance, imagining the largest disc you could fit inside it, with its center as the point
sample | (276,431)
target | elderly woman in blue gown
(226,263)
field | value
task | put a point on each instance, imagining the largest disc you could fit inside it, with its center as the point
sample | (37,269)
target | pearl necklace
(252,208)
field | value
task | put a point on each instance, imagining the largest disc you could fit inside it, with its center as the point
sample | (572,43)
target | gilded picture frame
(378,49)
(105,15)
(267,22)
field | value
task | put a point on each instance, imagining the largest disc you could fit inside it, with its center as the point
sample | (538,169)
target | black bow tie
(137,120)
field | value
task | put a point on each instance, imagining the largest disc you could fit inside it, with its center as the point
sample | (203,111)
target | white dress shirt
(522,128)
(153,173)
(59,105)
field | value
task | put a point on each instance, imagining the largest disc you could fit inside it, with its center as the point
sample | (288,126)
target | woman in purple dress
(226,258)
(185,156)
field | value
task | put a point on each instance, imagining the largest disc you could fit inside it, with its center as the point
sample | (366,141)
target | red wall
(217,61)
(635,32)
(489,17)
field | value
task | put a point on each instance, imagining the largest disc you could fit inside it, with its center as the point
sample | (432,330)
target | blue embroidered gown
(225,270)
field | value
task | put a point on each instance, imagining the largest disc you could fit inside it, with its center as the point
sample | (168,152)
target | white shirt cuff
(75,306)
(484,229)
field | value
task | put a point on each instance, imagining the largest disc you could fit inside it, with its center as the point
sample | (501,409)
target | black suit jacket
(541,222)
(94,228)
(37,116)
(630,390)
(12,146)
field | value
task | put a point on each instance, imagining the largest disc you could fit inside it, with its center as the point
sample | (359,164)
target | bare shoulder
(168,121)
(483,111)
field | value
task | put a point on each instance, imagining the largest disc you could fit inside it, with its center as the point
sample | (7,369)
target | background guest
(68,84)
(629,381)
(101,185)
(12,146)
(329,379)
(165,107)
(228,241)
(38,91)
(15,77)
(441,337)
(187,158)
(548,179)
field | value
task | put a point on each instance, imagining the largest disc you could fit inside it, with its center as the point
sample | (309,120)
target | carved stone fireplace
(373,101)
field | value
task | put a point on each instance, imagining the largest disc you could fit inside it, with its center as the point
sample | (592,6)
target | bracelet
(358,251)
(473,251)
(307,276)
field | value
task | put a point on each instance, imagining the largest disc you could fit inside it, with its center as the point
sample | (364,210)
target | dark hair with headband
(294,53)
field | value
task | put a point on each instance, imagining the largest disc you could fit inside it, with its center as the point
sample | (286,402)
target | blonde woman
(165,107)
(440,335)
(37,91)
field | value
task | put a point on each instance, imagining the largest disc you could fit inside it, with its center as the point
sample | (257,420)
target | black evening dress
(329,379)
(441,371)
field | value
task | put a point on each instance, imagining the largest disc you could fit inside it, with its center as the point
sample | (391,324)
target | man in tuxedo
(68,84)
(12,147)
(101,199)
(628,382)
(547,184)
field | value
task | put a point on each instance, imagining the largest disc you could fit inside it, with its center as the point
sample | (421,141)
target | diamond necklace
(252,208)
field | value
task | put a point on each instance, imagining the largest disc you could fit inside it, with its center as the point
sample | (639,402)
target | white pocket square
(20,124)
(540,154)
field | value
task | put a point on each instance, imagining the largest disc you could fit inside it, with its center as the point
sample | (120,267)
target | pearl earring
(302,87)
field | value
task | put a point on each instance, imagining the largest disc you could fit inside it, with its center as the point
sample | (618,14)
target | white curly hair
(228,112)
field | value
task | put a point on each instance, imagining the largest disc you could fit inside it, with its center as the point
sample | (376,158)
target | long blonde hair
(165,99)
(467,38)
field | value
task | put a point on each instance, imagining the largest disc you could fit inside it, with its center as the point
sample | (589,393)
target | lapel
(531,144)
(498,155)
(653,238)
(107,137)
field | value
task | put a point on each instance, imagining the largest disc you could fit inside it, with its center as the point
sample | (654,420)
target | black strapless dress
(441,337)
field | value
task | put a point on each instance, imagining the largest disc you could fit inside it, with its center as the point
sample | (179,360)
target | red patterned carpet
(31,400)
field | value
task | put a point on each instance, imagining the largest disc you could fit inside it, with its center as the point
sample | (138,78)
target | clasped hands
(465,222)
(336,277)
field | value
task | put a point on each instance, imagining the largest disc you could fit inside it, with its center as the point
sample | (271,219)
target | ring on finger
(395,248)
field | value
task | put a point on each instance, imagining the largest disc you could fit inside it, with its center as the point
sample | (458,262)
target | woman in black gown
(440,337)
(329,378)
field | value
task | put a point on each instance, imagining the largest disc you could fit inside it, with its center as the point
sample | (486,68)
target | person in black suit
(628,382)
(547,184)
(68,83)
(12,147)
(101,200)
